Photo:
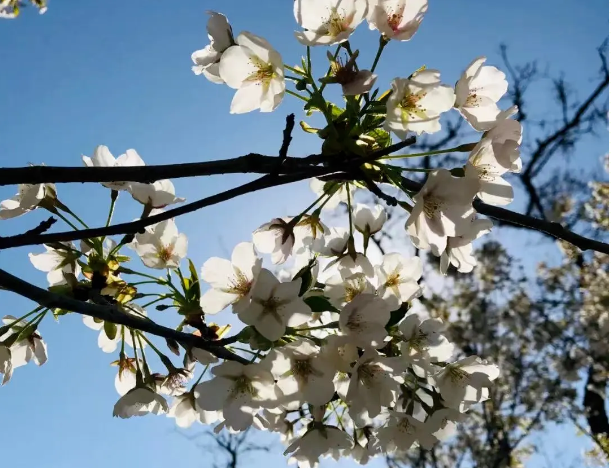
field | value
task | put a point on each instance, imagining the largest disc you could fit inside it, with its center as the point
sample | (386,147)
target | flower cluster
(332,354)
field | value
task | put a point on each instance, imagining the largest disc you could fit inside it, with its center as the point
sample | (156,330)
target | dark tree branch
(112,314)
(43,227)
(286,138)
(555,230)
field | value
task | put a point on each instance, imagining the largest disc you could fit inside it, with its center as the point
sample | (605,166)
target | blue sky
(118,73)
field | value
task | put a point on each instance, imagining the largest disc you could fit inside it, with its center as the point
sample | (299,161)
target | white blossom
(398,279)
(374,383)
(276,238)
(162,246)
(274,306)
(416,103)
(238,391)
(231,281)
(488,165)
(477,92)
(27,349)
(340,290)
(402,431)
(301,373)
(368,221)
(102,157)
(256,70)
(309,233)
(363,320)
(506,137)
(140,401)
(183,410)
(459,250)
(423,341)
(328,22)
(207,59)
(335,242)
(159,194)
(443,209)
(397,19)
(465,382)
(318,441)
(57,263)
(125,379)
(340,352)
(28,198)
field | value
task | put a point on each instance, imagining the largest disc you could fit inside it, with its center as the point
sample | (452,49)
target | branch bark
(111,314)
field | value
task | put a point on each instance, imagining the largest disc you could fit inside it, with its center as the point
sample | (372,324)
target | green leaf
(194,281)
(381,136)
(306,277)
(110,329)
(306,128)
(319,304)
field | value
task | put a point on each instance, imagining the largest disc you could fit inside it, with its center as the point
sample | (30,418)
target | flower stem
(426,153)
(339,47)
(349,208)
(383,42)
(298,96)
(113,198)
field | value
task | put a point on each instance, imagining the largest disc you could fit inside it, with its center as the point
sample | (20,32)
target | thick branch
(555,230)
(248,164)
(111,314)
(139,225)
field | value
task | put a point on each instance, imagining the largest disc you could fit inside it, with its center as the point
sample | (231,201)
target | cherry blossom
(238,391)
(402,431)
(363,320)
(319,440)
(207,59)
(459,250)
(139,401)
(328,22)
(256,70)
(368,221)
(231,281)
(477,92)
(443,208)
(26,349)
(465,382)
(300,372)
(398,279)
(162,246)
(159,194)
(102,157)
(352,80)
(335,242)
(184,410)
(274,306)
(340,290)
(416,103)
(57,263)
(488,166)
(276,238)
(374,383)
(28,198)
(397,19)
(424,341)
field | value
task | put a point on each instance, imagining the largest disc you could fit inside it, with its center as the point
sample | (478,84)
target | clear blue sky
(118,73)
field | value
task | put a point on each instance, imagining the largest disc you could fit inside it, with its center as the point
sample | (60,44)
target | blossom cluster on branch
(332,356)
